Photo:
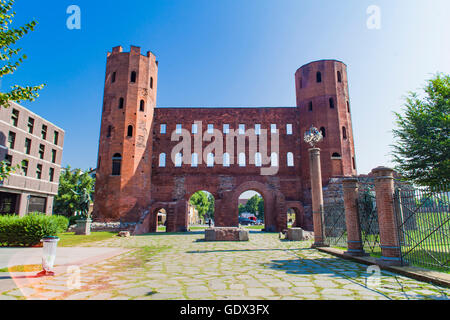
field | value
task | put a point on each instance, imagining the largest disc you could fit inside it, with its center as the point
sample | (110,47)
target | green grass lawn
(69,239)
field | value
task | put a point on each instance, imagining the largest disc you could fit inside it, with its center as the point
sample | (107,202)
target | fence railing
(368,220)
(334,223)
(423,224)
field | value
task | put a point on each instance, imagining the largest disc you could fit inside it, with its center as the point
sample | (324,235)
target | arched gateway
(174,152)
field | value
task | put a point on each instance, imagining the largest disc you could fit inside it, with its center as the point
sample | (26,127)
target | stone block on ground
(298,234)
(226,234)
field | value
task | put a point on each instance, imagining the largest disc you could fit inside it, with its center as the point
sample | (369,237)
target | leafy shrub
(28,230)
(62,222)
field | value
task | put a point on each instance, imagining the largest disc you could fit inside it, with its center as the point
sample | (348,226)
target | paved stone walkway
(182,266)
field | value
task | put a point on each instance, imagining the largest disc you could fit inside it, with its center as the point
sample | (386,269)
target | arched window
(318,77)
(113,77)
(344,133)
(274,159)
(226,159)
(130,131)
(322,130)
(162,159)
(258,159)
(331,103)
(290,159)
(336,155)
(109,131)
(339,76)
(133,76)
(241,159)
(353,162)
(210,160)
(151,82)
(121,101)
(194,160)
(142,105)
(116,164)
(348,106)
(178,160)
(310,106)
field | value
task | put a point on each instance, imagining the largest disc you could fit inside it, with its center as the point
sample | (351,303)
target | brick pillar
(317,197)
(384,189)
(354,242)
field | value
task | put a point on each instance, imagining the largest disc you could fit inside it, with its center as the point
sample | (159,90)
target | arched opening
(121,102)
(113,77)
(331,103)
(151,82)
(116,164)
(323,131)
(295,217)
(133,77)
(130,131)
(319,77)
(109,131)
(251,210)
(336,155)
(161,220)
(344,133)
(339,77)
(200,208)
(310,106)
(290,217)
(142,105)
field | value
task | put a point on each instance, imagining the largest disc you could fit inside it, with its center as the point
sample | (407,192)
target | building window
(289,128)
(353,162)
(130,131)
(274,159)
(273,128)
(339,77)
(121,102)
(331,103)
(318,77)
(194,160)
(178,129)
(51,174)
(142,105)
(210,128)
(210,160)
(162,129)
(322,130)
(310,106)
(133,77)
(41,151)
(108,134)
(290,159)
(11,139)
(151,82)
(241,159)
(226,128)
(44,132)
(25,167)
(116,164)
(53,155)
(15,117)
(30,125)
(257,129)
(258,159)
(55,137)
(344,133)
(39,171)
(113,77)
(194,128)
(242,129)
(336,155)
(226,159)
(8,159)
(162,159)
(348,107)
(178,160)
(27,146)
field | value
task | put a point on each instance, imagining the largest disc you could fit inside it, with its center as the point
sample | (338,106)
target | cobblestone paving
(182,266)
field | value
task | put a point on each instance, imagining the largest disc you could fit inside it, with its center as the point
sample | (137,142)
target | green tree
(71,184)
(211,202)
(252,204)
(241,208)
(11,58)
(200,201)
(422,149)
(261,209)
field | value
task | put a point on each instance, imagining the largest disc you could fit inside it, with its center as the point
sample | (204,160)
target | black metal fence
(368,220)
(334,222)
(423,223)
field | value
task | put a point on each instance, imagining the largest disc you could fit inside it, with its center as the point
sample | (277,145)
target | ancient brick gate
(152,158)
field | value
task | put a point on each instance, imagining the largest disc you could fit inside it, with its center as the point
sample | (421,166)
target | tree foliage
(422,149)
(11,58)
(254,205)
(71,185)
(204,203)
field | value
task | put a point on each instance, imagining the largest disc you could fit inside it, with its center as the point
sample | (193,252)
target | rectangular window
(41,151)
(44,132)
(210,128)
(53,155)
(163,129)
(289,128)
(39,171)
(8,159)
(242,129)
(51,174)
(30,125)
(226,128)
(27,146)
(11,139)
(25,167)
(257,129)
(178,129)
(273,128)
(194,128)
(15,117)
(55,137)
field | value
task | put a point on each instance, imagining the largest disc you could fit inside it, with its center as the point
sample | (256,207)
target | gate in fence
(368,220)
(334,224)
(423,225)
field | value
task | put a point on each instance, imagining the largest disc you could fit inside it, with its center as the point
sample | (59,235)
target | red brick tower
(323,101)
(123,183)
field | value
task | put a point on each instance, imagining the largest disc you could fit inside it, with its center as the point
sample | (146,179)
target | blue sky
(233,53)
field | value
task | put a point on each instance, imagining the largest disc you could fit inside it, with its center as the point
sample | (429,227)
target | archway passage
(161,218)
(200,210)
(296,215)
(251,210)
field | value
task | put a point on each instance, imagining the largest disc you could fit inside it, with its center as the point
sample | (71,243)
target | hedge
(30,229)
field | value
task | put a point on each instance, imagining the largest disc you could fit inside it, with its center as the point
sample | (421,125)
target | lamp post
(312,137)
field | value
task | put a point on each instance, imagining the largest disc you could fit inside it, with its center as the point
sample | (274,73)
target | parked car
(246,221)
